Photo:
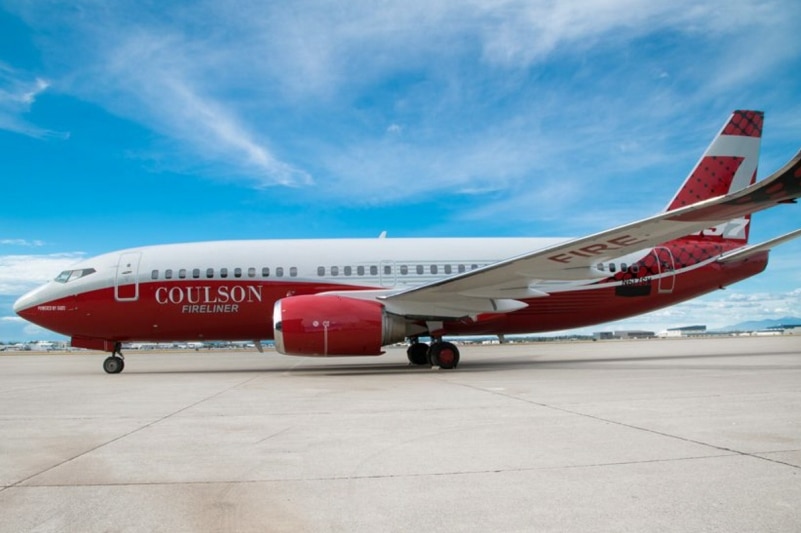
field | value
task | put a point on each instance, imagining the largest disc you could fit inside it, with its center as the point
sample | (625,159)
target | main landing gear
(116,362)
(440,353)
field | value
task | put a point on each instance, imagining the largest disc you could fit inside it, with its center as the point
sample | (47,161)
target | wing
(498,287)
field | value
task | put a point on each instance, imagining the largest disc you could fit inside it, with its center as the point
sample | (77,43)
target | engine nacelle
(334,325)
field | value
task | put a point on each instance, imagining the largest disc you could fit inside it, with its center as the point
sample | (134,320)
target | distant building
(686,331)
(623,334)
(787,329)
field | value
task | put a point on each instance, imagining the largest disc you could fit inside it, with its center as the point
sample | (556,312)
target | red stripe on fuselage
(173,311)
(215,310)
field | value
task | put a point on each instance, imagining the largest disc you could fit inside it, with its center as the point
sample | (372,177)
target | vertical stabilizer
(728,165)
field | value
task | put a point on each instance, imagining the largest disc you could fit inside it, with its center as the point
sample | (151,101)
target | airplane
(352,297)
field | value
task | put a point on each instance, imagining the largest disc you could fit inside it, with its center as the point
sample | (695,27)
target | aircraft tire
(418,353)
(113,365)
(444,355)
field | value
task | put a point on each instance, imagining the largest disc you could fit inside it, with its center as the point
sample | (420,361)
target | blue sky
(133,123)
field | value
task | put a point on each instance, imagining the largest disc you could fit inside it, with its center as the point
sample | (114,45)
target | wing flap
(431,307)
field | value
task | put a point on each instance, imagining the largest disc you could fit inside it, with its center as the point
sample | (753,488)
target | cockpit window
(72,275)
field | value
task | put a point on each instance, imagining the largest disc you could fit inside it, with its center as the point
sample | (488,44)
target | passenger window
(279,272)
(461,269)
(265,272)
(321,271)
(196,273)
(360,271)
(447,269)
(434,269)
(373,270)
(182,273)
(223,272)
(209,272)
(623,267)
(293,272)
(251,272)
(473,267)
(612,267)
(404,269)
(419,269)
(348,271)
(237,272)
(153,275)
(168,274)
(600,267)
(387,270)
(335,271)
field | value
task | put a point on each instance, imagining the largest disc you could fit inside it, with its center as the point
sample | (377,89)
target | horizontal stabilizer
(748,251)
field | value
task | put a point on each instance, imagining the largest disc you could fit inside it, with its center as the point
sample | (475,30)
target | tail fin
(728,165)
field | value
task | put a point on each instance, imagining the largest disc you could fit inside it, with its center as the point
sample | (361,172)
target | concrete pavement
(657,435)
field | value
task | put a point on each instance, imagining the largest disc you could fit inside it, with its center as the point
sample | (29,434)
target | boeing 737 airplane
(346,297)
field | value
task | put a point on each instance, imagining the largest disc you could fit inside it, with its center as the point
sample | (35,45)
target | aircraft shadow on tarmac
(485,364)
(500,364)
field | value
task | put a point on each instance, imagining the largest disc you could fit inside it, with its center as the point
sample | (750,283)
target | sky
(130,123)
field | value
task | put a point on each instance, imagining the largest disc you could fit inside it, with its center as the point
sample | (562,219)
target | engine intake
(334,326)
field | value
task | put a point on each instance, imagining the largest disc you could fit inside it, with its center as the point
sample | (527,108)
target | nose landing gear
(116,362)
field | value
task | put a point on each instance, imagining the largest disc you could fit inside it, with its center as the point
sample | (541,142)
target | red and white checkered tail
(728,165)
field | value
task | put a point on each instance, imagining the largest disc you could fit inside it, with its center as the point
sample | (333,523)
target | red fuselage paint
(218,310)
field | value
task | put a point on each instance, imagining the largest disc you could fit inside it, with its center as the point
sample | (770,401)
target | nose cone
(25,306)
(45,307)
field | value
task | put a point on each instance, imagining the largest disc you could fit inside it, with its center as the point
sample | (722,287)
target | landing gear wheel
(113,364)
(444,355)
(417,352)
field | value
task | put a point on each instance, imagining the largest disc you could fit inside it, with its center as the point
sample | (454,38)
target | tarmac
(651,435)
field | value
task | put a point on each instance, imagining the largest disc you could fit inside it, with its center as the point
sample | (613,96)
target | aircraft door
(126,283)
(667,269)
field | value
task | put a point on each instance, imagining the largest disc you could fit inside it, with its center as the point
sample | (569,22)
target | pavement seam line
(631,426)
(381,476)
(124,435)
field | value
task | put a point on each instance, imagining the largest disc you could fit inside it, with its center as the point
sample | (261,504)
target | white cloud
(238,99)
(21,273)
(21,242)
(158,77)
(717,310)
(18,92)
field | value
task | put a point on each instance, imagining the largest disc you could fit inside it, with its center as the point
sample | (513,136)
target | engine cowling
(327,326)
